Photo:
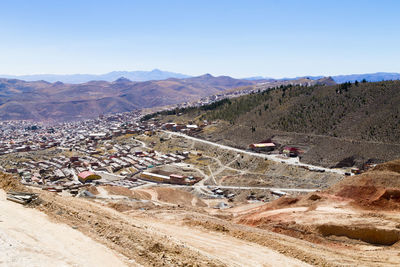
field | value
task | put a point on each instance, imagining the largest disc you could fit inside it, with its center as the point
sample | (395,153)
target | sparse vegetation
(361,111)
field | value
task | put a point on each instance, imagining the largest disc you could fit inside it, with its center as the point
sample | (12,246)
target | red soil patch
(93,190)
(253,219)
(179,197)
(393,166)
(378,188)
(123,191)
(284,202)
(118,191)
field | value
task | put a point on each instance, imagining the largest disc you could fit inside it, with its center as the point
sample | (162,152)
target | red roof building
(263,147)
(88,176)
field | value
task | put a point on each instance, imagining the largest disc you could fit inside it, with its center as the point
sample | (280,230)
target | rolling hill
(41,100)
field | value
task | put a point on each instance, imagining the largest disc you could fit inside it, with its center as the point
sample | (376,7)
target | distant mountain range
(370,77)
(41,100)
(156,74)
(138,76)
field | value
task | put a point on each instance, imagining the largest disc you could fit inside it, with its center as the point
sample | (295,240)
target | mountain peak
(326,81)
(58,83)
(122,80)
(207,75)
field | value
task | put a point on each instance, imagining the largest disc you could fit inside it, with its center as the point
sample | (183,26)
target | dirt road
(229,250)
(29,238)
(276,158)
(301,190)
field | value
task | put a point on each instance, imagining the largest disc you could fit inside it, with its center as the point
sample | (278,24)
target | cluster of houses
(122,163)
(96,156)
(24,136)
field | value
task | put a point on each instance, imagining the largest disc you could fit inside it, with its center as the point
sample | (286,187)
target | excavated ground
(360,213)
(355,222)
(147,241)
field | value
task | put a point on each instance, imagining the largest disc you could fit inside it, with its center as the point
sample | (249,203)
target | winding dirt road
(276,158)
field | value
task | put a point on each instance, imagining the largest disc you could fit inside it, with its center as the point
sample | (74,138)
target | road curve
(302,190)
(289,161)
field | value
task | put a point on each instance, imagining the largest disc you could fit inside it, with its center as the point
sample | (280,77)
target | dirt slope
(375,189)
(230,250)
(29,238)
(360,213)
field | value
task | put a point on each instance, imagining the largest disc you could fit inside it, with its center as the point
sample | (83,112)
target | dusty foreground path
(229,250)
(29,238)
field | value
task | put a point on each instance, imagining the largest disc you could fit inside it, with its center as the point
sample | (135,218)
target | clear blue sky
(237,38)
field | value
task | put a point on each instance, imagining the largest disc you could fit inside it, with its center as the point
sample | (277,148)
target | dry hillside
(329,123)
(42,100)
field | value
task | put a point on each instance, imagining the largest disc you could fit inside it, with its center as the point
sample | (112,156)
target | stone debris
(21,197)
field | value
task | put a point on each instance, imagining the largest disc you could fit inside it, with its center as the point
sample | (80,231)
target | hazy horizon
(239,39)
(236,77)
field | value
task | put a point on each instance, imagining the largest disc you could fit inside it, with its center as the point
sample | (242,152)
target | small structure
(97,136)
(291,151)
(88,176)
(262,147)
(192,126)
(177,179)
(154,177)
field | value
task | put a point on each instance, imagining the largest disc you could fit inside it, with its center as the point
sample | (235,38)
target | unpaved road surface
(276,158)
(302,190)
(29,238)
(229,250)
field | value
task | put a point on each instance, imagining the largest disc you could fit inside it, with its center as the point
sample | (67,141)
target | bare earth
(231,251)
(352,223)
(29,238)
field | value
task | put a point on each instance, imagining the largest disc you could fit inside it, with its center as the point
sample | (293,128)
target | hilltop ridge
(41,100)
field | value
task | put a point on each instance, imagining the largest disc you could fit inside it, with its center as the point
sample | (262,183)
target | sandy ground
(29,238)
(229,250)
